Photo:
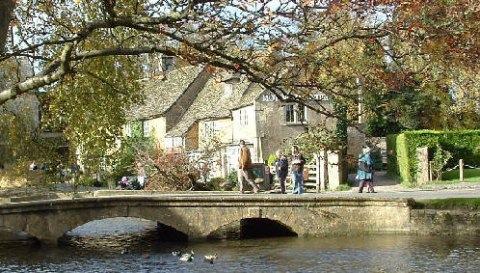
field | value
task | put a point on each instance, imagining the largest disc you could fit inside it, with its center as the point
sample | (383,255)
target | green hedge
(392,164)
(402,155)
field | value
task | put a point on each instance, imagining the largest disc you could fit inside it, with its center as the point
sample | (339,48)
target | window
(167,63)
(173,142)
(146,128)
(128,130)
(294,113)
(243,115)
(210,129)
(228,90)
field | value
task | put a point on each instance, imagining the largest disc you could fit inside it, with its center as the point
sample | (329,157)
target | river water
(115,251)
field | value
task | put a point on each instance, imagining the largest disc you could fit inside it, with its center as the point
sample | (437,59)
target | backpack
(363,166)
(283,164)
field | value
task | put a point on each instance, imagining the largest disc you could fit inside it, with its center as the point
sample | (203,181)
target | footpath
(385,187)
(390,188)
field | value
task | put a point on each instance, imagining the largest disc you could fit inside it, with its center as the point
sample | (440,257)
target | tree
(6,8)
(86,53)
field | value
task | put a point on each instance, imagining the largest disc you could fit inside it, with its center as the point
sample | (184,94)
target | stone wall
(444,222)
(274,131)
(356,138)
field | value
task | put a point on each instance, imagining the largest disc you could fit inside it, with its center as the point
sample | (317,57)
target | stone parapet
(200,216)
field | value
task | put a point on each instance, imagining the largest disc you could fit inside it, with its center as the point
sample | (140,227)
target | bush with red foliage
(172,171)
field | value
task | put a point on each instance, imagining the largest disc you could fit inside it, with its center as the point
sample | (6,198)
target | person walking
(281,169)
(244,165)
(298,161)
(141,175)
(365,171)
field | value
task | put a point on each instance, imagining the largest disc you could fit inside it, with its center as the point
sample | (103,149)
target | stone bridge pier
(202,216)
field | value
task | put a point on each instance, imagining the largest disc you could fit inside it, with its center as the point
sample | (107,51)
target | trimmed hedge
(402,155)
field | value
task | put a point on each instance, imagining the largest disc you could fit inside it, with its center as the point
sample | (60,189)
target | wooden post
(324,180)
(460,164)
(322,171)
(430,174)
(317,173)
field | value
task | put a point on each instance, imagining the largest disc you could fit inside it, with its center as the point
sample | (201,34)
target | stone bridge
(200,216)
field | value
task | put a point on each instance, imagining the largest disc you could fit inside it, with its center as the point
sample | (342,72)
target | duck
(124,251)
(177,253)
(210,258)
(187,257)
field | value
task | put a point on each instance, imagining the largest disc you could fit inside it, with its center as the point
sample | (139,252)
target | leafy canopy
(85,54)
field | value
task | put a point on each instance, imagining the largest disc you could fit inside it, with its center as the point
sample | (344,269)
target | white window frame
(243,117)
(147,128)
(293,115)
(128,129)
(210,129)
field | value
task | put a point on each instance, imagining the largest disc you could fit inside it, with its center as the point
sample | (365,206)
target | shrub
(271,159)
(233,178)
(343,187)
(172,171)
(129,150)
(215,184)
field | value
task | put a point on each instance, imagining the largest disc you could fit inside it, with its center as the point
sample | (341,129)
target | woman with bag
(365,171)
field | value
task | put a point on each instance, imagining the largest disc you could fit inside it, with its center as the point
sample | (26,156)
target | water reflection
(375,253)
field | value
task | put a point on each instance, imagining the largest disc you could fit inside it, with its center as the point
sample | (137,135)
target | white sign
(270,97)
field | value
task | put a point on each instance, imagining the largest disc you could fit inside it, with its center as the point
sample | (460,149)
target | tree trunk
(6,8)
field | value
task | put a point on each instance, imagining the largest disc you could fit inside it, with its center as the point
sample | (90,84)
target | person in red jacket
(244,165)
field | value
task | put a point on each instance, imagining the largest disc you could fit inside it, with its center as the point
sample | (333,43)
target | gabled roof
(213,102)
(249,96)
(161,94)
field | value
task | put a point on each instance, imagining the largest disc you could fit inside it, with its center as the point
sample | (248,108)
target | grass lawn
(469,175)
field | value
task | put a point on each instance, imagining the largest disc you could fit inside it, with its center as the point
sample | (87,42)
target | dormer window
(228,89)
(294,114)
(167,63)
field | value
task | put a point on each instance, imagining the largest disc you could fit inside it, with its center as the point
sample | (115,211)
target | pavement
(385,187)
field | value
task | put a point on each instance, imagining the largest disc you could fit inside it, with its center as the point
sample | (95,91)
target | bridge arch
(170,226)
(120,232)
(252,227)
(13,236)
(49,221)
